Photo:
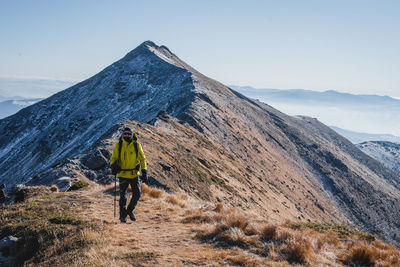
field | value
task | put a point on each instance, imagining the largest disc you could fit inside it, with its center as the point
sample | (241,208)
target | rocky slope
(387,153)
(204,138)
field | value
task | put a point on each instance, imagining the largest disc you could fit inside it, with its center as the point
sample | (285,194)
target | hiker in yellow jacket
(126,163)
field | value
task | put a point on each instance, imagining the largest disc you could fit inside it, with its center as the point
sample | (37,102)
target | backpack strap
(135,145)
(119,150)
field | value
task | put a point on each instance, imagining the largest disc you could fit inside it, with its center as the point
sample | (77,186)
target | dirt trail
(157,238)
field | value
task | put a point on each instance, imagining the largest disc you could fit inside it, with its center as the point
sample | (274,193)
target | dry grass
(236,237)
(374,253)
(342,230)
(53,233)
(228,229)
(330,238)
(25,193)
(219,207)
(298,249)
(235,219)
(151,191)
(363,255)
(144,188)
(246,260)
(269,232)
(50,232)
(198,218)
(137,258)
(282,245)
(175,201)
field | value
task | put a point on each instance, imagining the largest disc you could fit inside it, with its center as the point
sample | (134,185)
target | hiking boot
(132,216)
(123,220)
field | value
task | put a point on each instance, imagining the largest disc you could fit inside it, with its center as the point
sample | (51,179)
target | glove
(144,176)
(115,168)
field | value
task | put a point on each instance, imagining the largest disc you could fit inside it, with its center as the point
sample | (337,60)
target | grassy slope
(78,229)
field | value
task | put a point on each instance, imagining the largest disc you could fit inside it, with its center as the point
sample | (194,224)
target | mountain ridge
(238,147)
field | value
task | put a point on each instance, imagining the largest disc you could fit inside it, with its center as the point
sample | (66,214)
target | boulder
(94,160)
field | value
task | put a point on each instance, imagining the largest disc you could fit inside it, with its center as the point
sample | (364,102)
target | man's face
(128,136)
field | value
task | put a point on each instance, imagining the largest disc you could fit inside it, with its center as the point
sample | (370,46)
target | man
(126,160)
(2,194)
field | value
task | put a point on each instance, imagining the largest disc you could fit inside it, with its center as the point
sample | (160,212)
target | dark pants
(123,186)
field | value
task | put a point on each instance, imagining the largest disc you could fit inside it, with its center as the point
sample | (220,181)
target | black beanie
(127,129)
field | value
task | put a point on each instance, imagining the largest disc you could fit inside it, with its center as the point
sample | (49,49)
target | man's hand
(115,168)
(144,176)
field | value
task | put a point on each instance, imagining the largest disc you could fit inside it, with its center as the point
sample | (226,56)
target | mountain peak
(149,49)
(148,43)
(142,49)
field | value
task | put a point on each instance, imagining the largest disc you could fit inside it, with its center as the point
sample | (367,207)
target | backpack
(116,166)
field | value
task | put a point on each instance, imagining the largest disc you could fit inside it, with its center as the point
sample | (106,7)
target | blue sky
(349,46)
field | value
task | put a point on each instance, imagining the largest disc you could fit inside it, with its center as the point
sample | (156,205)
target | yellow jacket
(128,159)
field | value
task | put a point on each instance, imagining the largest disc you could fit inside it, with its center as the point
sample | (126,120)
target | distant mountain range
(357,138)
(358,113)
(10,107)
(204,138)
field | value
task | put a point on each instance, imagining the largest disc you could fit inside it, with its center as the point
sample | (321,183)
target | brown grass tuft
(231,229)
(283,235)
(153,192)
(237,220)
(219,207)
(227,236)
(156,193)
(198,218)
(245,260)
(269,232)
(384,246)
(298,249)
(331,238)
(236,237)
(212,231)
(144,188)
(363,254)
(174,200)
(252,229)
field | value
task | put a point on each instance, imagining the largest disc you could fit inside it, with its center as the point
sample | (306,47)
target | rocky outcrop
(95,159)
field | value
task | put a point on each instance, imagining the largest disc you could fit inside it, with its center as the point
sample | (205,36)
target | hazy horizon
(42,87)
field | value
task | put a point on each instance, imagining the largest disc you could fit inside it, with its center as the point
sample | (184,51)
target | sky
(345,45)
